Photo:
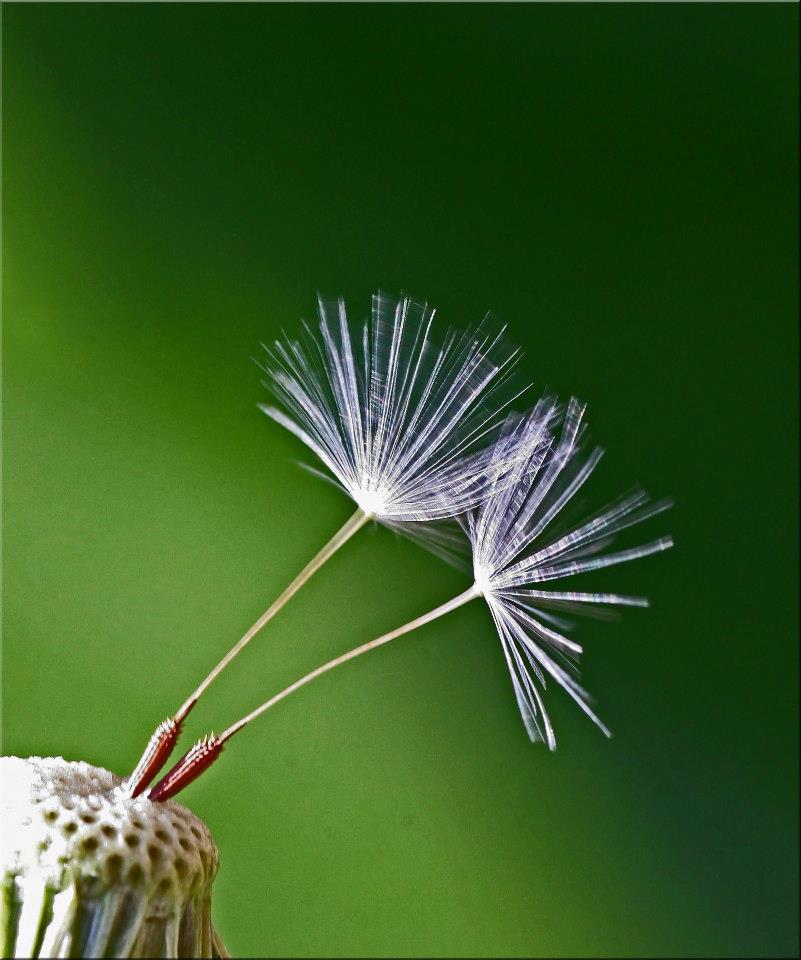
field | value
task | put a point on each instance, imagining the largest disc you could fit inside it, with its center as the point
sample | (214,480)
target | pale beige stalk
(434,614)
(354,524)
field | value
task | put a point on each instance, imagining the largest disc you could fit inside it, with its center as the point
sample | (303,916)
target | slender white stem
(440,611)
(356,522)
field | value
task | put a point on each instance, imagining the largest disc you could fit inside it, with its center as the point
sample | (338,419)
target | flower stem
(440,611)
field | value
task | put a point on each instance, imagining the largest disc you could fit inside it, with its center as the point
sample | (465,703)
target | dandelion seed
(404,427)
(536,468)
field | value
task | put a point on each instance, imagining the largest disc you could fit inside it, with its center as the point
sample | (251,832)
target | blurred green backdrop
(619,184)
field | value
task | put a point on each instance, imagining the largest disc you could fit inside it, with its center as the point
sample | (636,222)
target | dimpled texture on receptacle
(61,814)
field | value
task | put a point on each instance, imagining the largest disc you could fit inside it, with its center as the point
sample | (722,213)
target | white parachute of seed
(404,426)
(512,551)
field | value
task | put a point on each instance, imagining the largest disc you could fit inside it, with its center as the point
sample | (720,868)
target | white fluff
(405,426)
(515,547)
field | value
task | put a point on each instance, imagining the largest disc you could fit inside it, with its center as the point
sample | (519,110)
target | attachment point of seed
(156,754)
(189,767)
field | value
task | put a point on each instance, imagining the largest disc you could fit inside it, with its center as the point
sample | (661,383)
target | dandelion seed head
(402,417)
(89,871)
(518,544)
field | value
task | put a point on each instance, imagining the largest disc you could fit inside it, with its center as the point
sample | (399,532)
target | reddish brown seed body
(157,753)
(158,750)
(188,768)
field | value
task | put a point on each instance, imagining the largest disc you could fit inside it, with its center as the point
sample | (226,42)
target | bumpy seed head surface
(133,874)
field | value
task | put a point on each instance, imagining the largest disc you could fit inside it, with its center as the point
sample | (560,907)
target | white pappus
(514,549)
(403,425)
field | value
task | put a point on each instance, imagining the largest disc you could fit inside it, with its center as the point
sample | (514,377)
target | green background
(618,183)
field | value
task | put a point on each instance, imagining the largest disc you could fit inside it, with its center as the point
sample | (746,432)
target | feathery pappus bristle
(512,551)
(404,424)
